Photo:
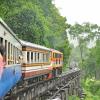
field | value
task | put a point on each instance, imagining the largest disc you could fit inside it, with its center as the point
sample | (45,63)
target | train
(26,63)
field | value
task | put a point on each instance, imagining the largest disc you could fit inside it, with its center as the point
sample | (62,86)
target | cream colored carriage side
(36,61)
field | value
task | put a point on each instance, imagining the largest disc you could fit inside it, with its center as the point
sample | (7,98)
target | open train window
(31,56)
(56,61)
(11,54)
(35,56)
(1,41)
(6,51)
(28,57)
(43,58)
(14,54)
(38,57)
(59,61)
(47,57)
(18,55)
(53,55)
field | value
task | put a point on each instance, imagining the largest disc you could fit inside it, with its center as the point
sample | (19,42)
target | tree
(84,34)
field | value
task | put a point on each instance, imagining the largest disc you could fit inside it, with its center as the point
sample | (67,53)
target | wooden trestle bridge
(62,86)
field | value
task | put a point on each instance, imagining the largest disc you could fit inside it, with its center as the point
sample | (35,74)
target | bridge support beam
(63,95)
(66,93)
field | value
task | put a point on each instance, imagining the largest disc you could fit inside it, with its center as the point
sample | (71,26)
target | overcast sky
(80,10)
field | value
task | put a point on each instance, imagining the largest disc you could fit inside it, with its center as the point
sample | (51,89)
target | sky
(80,10)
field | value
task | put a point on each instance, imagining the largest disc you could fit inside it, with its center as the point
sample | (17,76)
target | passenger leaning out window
(2,59)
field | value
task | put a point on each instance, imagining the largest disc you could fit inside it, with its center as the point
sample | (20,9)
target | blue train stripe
(11,75)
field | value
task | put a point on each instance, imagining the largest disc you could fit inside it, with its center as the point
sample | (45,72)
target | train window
(56,61)
(14,55)
(59,55)
(1,41)
(35,56)
(11,54)
(59,61)
(43,58)
(6,51)
(47,57)
(17,56)
(28,57)
(53,55)
(38,57)
(31,56)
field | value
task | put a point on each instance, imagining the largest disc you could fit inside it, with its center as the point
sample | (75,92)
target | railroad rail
(49,89)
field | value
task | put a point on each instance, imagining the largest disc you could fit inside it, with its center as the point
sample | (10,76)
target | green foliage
(89,59)
(73,98)
(92,89)
(84,33)
(92,63)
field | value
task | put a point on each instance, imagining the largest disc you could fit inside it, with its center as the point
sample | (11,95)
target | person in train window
(2,59)
(20,59)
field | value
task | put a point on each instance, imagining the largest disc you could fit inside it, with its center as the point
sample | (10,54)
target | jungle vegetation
(87,54)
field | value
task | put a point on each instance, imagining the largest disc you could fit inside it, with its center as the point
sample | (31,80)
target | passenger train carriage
(12,70)
(36,60)
(26,63)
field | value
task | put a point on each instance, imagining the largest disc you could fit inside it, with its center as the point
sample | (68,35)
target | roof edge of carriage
(29,44)
(56,51)
(8,29)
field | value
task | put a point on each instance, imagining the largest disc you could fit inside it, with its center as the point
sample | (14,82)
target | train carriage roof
(56,51)
(29,44)
(9,30)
